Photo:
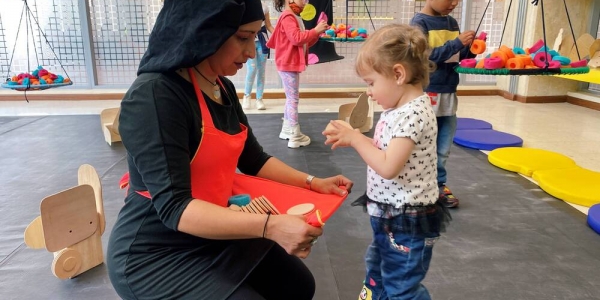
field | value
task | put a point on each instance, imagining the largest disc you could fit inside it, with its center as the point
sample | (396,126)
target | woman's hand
(331,185)
(292,233)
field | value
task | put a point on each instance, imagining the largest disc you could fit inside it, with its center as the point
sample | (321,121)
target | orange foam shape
(478,47)
(526,59)
(480,64)
(509,53)
(515,63)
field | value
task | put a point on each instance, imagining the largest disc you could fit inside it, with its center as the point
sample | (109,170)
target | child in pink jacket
(291,41)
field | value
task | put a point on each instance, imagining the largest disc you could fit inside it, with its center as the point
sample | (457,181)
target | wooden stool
(70,225)
(109,120)
(358,115)
(595,54)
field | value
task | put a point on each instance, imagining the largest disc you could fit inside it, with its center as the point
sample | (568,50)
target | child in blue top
(402,192)
(257,64)
(449,46)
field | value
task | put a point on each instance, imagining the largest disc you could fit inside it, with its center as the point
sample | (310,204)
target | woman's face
(235,51)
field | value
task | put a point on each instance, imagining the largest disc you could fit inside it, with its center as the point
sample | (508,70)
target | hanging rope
(368,13)
(546,70)
(37,60)
(47,42)
(535,2)
(16,39)
(505,20)
(572,33)
(26,84)
(483,17)
(546,63)
(346,18)
(27,42)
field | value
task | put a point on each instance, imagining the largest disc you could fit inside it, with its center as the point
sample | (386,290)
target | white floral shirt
(416,184)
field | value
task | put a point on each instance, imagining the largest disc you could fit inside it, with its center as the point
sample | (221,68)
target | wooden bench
(109,120)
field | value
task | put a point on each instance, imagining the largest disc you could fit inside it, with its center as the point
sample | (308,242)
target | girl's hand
(331,185)
(292,233)
(340,135)
(321,27)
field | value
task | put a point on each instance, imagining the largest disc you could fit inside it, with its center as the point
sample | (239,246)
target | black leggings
(278,276)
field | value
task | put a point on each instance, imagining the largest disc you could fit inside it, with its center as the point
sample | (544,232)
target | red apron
(212,174)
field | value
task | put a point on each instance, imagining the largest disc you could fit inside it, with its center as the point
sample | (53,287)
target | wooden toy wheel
(67,263)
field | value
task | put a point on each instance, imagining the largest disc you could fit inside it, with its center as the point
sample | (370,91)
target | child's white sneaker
(260,105)
(286,131)
(297,138)
(246,102)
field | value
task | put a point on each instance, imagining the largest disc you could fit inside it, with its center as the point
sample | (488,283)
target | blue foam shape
(518,50)
(239,200)
(469,123)
(593,218)
(486,139)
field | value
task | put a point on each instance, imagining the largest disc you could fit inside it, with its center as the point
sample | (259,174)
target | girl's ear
(399,74)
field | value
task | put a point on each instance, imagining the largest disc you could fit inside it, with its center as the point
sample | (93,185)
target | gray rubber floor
(508,240)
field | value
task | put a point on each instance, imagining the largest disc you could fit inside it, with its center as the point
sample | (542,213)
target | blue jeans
(446,131)
(254,65)
(397,262)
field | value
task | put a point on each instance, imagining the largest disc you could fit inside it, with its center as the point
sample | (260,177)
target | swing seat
(545,66)
(22,87)
(70,225)
(46,79)
(349,40)
(536,71)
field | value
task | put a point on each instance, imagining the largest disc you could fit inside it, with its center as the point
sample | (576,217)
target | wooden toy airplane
(70,225)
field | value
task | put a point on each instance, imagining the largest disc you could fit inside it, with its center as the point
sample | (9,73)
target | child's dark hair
(279,5)
(396,44)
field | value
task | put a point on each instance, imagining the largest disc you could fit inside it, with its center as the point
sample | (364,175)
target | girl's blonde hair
(396,44)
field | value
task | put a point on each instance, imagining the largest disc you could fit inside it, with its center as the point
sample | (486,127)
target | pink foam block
(540,58)
(482,36)
(579,64)
(322,18)
(554,64)
(492,63)
(537,46)
(468,63)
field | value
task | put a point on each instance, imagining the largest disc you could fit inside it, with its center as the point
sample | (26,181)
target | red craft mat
(284,196)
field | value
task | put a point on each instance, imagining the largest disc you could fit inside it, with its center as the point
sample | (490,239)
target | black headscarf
(188,31)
